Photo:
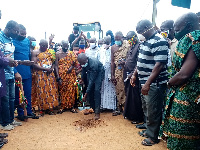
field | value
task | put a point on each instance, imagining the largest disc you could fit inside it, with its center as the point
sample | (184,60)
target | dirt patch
(83,125)
(57,132)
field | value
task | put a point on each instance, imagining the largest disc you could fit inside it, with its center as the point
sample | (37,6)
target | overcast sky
(58,16)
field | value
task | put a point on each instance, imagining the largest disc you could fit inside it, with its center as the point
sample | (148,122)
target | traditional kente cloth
(34,102)
(182,111)
(46,86)
(120,54)
(67,89)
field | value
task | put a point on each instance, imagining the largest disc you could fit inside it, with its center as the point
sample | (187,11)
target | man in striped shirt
(152,72)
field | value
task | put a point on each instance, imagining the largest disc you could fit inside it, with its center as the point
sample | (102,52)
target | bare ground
(70,131)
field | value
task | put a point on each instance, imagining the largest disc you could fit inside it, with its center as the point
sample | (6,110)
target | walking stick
(22,99)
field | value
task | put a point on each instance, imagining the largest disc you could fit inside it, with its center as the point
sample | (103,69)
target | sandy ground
(58,132)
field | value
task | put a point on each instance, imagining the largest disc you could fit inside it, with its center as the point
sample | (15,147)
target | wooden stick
(24,103)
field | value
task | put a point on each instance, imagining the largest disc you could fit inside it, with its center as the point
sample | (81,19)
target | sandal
(5,141)
(41,114)
(3,135)
(1,144)
(73,110)
(143,133)
(148,142)
(35,117)
(135,122)
(50,112)
(115,113)
(60,111)
(141,126)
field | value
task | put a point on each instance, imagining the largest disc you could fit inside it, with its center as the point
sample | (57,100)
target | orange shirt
(81,51)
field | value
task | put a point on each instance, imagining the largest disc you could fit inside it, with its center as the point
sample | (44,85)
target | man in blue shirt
(22,72)
(7,102)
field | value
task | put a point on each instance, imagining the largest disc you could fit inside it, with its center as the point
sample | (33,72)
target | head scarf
(133,40)
(109,32)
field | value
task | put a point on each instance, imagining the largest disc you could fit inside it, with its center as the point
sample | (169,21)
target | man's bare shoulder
(57,53)
(35,52)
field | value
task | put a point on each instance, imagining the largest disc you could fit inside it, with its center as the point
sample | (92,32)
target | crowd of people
(151,77)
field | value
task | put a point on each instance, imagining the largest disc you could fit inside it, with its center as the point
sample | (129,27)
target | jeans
(7,104)
(27,84)
(152,106)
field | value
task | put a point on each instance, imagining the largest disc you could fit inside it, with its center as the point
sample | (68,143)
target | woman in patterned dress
(182,112)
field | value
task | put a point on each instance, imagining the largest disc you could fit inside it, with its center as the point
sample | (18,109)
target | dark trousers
(133,105)
(7,104)
(152,106)
(27,84)
(94,95)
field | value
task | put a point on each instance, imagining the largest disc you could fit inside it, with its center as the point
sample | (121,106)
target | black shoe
(141,126)
(33,116)
(21,118)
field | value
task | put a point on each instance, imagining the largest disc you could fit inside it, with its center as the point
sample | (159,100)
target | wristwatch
(168,84)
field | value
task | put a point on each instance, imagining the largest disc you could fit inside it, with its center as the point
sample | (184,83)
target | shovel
(82,108)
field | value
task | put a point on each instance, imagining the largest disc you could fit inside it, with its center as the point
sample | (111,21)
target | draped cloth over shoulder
(120,54)
(182,111)
(45,96)
(67,89)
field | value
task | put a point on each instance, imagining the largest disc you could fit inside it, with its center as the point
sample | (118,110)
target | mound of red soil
(88,123)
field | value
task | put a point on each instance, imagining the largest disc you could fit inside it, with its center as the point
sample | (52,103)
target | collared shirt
(151,51)
(7,49)
(22,52)
(81,51)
